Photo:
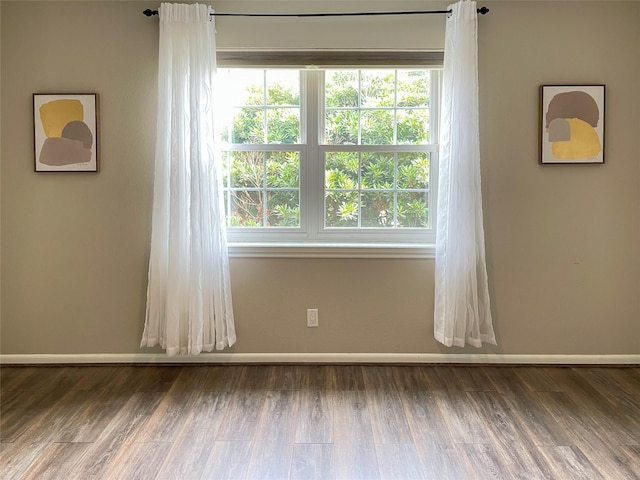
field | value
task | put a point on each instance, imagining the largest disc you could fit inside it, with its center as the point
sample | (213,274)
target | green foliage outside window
(362,189)
(376,189)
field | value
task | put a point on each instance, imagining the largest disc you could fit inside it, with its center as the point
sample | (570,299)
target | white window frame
(312,239)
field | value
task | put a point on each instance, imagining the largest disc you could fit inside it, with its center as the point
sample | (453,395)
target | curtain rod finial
(483,10)
(148,12)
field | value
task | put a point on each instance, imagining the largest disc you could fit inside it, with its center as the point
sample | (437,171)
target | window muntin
(338,155)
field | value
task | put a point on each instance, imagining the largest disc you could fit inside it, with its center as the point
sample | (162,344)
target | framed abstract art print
(572,124)
(66,132)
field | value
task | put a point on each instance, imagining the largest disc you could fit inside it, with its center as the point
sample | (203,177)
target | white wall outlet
(312,317)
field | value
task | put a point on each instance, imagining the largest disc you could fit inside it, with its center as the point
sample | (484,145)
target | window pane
(246,209)
(377,127)
(283,125)
(283,170)
(283,208)
(248,126)
(283,87)
(413,209)
(242,86)
(341,88)
(413,170)
(341,170)
(377,209)
(341,209)
(341,127)
(377,88)
(413,88)
(247,170)
(377,170)
(413,126)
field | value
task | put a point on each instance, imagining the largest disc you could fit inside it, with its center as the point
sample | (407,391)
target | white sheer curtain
(189,308)
(462,309)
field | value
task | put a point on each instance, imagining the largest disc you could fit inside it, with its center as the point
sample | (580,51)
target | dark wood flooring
(319,422)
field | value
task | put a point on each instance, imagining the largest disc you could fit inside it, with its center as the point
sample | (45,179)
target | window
(329,156)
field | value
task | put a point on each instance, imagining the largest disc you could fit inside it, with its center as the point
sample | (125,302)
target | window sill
(335,250)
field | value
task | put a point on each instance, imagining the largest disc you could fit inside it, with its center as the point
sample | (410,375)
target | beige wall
(562,241)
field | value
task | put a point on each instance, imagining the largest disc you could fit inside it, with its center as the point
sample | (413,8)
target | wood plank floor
(319,422)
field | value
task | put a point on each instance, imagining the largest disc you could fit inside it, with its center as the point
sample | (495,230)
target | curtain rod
(483,11)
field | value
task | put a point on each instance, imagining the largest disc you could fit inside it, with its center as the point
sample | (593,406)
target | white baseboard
(330,358)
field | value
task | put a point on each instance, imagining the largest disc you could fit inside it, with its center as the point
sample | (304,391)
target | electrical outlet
(312,317)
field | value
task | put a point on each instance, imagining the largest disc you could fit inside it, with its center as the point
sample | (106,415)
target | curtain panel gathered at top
(462,309)
(189,306)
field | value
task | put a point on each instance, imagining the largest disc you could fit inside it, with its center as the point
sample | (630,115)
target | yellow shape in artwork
(584,142)
(55,115)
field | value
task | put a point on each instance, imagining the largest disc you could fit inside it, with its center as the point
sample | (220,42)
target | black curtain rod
(483,11)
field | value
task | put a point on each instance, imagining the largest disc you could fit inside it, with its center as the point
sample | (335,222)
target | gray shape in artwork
(59,151)
(78,131)
(559,130)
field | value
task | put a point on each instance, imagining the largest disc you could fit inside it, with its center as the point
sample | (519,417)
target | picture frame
(572,124)
(66,132)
